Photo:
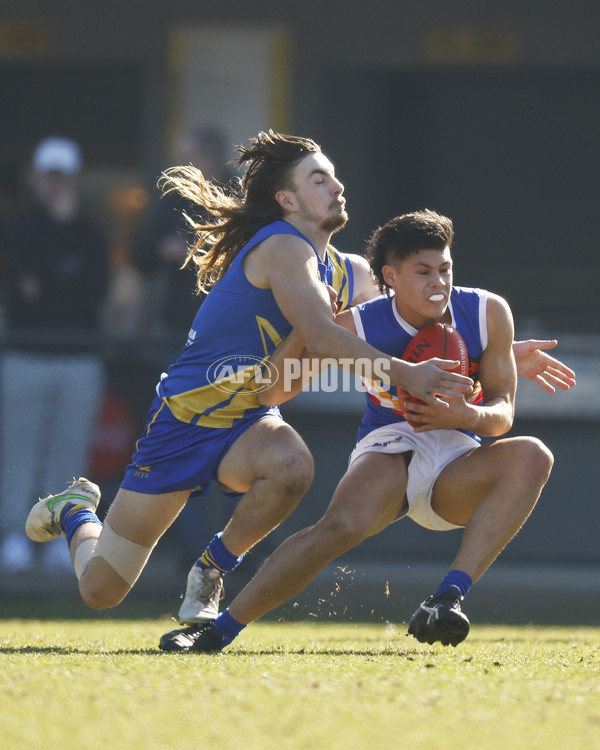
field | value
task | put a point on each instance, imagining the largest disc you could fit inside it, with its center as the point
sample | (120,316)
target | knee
(294,471)
(537,458)
(97,598)
(532,461)
(340,534)
(98,595)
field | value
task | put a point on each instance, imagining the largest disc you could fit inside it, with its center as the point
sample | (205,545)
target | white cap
(57,154)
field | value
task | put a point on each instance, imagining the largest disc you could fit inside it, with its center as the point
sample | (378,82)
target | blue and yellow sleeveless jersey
(378,322)
(221,368)
(338,273)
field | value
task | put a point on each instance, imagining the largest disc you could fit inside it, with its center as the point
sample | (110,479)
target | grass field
(104,684)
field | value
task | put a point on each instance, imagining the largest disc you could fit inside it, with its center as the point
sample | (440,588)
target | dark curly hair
(407,234)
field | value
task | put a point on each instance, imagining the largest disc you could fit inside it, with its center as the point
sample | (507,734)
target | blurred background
(487,112)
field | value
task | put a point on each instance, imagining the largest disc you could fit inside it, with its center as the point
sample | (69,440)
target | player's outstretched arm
(534,364)
(289,268)
(291,362)
(287,361)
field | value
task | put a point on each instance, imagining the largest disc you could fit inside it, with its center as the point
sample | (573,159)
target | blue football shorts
(172,455)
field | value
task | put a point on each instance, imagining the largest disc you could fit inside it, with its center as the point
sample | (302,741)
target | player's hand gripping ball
(436,340)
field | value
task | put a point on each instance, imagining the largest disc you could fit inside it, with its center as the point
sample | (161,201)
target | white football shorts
(432,451)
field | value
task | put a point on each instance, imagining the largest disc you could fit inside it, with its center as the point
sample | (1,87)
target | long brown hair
(238,214)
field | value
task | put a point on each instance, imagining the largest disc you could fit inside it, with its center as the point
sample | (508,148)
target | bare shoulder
(346,320)
(280,252)
(365,287)
(360,265)
(282,249)
(497,307)
(358,262)
(499,319)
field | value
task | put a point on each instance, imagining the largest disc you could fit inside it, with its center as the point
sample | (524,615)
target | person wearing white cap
(57,154)
(55,275)
(55,167)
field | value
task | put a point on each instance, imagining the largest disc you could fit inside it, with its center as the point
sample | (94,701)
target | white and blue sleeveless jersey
(378,322)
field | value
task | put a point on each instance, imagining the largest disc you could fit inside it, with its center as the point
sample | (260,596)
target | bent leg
(271,464)
(491,491)
(368,498)
(134,517)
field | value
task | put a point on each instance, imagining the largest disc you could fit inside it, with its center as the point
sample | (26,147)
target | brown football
(436,340)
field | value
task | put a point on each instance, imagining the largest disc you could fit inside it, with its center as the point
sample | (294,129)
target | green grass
(103,684)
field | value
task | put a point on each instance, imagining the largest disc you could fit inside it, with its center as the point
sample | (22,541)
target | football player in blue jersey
(436,473)
(267,262)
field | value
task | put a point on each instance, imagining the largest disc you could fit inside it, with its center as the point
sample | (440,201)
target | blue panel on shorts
(173,455)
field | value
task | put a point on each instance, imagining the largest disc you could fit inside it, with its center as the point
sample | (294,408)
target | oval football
(436,340)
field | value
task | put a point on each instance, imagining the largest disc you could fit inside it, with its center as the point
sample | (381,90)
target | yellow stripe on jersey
(220,403)
(158,411)
(341,276)
(267,328)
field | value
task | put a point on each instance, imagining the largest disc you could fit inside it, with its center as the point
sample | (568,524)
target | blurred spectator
(123,315)
(54,277)
(162,242)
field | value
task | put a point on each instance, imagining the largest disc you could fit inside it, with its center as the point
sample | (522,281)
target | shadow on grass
(81,651)
(89,651)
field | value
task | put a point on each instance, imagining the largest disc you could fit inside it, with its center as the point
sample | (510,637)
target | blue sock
(230,627)
(216,555)
(455,579)
(73,516)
